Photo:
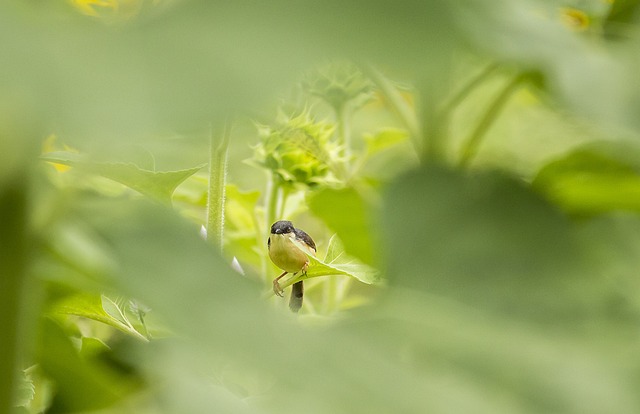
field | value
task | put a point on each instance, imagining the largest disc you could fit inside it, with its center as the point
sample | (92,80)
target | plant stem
(344,132)
(403,109)
(13,251)
(272,200)
(434,133)
(270,213)
(467,88)
(470,147)
(217,182)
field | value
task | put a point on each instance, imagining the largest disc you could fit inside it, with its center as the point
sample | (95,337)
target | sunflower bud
(299,151)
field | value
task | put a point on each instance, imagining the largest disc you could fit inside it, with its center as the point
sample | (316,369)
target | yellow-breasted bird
(286,245)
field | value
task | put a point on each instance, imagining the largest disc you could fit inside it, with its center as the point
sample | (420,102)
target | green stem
(434,133)
(270,213)
(13,251)
(467,88)
(403,109)
(470,147)
(272,199)
(344,133)
(217,182)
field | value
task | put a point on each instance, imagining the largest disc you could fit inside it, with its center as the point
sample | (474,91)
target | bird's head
(282,227)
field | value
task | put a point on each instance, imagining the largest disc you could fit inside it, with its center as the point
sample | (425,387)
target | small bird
(286,245)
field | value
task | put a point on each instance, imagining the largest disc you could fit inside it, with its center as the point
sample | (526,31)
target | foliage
(468,170)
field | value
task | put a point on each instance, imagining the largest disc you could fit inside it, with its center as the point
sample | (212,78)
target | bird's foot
(277,289)
(276,285)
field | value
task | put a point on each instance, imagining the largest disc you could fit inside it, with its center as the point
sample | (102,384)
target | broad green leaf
(336,262)
(99,308)
(487,240)
(80,384)
(351,217)
(594,179)
(486,249)
(163,70)
(157,185)
(424,347)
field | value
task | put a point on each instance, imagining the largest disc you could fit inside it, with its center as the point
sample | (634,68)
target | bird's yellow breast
(286,254)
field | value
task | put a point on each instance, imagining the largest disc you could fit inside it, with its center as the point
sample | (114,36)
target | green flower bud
(299,151)
(339,84)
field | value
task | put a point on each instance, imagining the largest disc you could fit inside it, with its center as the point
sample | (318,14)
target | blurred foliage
(467,169)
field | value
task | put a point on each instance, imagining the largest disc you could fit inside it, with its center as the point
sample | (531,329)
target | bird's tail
(297,292)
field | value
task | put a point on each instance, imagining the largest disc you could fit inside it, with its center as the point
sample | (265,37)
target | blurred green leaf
(80,384)
(572,62)
(351,217)
(157,185)
(240,225)
(594,179)
(488,240)
(474,317)
(484,248)
(622,12)
(388,153)
(384,140)
(198,60)
(92,347)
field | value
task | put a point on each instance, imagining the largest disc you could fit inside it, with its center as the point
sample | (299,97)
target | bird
(288,248)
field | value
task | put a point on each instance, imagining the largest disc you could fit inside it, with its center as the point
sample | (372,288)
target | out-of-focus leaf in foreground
(80,384)
(198,60)
(491,308)
(594,178)
(516,283)
(591,80)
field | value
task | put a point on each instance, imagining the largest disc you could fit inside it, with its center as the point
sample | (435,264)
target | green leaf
(384,140)
(26,390)
(336,262)
(351,217)
(92,347)
(163,71)
(489,241)
(157,185)
(240,225)
(80,384)
(388,153)
(99,308)
(500,279)
(594,179)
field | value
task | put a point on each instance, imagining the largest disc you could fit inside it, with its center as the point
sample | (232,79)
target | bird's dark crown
(282,227)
